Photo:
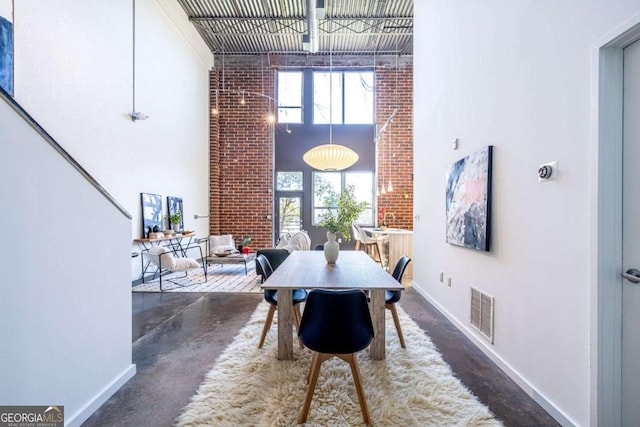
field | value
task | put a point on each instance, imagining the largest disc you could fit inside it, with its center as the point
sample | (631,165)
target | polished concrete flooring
(178,336)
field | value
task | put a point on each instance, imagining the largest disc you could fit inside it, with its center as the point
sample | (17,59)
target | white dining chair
(372,246)
(356,235)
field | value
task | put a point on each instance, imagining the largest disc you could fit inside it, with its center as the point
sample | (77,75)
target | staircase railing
(45,135)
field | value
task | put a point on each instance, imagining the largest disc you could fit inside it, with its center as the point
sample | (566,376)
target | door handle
(632,275)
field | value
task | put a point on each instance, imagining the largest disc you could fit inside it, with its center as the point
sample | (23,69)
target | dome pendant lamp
(330,157)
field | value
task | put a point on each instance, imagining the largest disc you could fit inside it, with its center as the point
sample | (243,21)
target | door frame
(606,222)
(276,209)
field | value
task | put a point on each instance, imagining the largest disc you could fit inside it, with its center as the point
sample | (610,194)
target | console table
(178,243)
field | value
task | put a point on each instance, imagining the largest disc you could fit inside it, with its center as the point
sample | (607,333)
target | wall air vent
(482,313)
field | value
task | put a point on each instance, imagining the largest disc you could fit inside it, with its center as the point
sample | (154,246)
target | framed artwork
(174,205)
(6,46)
(151,213)
(468,196)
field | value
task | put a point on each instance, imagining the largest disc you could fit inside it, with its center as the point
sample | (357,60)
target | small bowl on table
(223,253)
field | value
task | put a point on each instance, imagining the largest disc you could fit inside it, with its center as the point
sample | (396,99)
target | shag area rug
(220,278)
(412,387)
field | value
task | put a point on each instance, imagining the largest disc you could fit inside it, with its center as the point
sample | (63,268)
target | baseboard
(540,399)
(85,412)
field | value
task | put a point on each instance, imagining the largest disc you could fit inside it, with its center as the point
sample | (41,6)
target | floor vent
(482,313)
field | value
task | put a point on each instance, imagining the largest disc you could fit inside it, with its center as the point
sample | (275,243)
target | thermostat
(547,171)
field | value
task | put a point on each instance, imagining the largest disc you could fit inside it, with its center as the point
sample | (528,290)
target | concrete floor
(178,336)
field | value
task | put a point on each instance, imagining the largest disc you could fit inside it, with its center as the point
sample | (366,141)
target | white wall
(74,74)
(65,320)
(515,75)
(65,267)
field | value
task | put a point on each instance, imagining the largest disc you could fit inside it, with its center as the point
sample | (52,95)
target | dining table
(310,270)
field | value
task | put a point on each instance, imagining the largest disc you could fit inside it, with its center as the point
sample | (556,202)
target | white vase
(331,248)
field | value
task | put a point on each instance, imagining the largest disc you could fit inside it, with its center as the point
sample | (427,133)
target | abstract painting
(174,205)
(468,196)
(6,46)
(151,213)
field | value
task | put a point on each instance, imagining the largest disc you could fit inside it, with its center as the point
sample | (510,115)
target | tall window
(289,96)
(346,95)
(289,186)
(333,183)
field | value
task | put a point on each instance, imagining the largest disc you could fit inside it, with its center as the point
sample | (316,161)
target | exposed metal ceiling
(249,27)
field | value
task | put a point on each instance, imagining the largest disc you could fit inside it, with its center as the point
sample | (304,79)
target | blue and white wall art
(6,46)
(469,201)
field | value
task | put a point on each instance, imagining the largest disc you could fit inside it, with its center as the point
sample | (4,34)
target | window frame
(278,189)
(341,88)
(343,183)
(299,107)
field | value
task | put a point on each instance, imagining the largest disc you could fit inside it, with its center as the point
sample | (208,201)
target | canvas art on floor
(468,203)
(6,46)
(174,205)
(151,213)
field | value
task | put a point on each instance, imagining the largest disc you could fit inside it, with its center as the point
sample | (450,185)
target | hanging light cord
(330,81)
(134,56)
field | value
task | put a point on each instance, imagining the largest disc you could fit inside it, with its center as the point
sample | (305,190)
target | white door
(631,239)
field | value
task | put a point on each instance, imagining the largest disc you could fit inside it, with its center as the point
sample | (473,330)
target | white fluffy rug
(412,387)
(220,278)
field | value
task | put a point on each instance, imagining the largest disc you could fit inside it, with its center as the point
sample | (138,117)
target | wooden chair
(356,235)
(370,245)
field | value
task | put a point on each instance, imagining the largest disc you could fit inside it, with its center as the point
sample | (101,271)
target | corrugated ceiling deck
(276,26)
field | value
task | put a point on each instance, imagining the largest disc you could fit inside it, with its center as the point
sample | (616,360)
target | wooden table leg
(285,324)
(376,306)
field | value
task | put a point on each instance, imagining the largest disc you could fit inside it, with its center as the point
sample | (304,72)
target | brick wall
(241,143)
(242,147)
(395,146)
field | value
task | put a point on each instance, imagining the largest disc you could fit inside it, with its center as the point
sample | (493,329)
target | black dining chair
(335,323)
(392,297)
(271,296)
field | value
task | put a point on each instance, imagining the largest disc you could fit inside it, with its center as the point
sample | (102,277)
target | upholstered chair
(271,296)
(167,262)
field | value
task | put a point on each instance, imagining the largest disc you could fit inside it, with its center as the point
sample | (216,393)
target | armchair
(166,262)
(218,244)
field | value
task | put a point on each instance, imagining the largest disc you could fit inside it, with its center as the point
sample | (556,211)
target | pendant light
(330,157)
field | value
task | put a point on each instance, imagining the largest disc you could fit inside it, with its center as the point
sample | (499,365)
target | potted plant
(244,246)
(175,220)
(338,219)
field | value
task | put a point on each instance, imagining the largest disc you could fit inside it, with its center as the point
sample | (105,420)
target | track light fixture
(138,116)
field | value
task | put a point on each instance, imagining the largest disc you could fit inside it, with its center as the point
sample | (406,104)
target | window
(289,181)
(362,183)
(323,90)
(358,98)
(326,184)
(347,96)
(289,96)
